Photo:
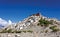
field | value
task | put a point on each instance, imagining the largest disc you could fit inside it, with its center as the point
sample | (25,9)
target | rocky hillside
(36,24)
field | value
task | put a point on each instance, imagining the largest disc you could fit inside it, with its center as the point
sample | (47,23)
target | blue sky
(17,10)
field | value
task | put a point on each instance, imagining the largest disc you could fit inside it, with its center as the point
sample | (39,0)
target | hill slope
(38,25)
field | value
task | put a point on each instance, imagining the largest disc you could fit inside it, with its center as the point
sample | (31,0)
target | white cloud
(4,22)
(9,22)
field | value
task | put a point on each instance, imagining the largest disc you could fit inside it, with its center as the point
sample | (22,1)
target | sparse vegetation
(3,31)
(43,22)
(18,31)
(9,31)
(51,21)
(6,31)
(46,31)
(54,28)
(24,31)
(30,31)
(15,31)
